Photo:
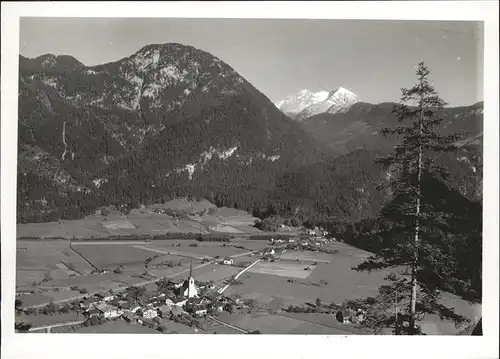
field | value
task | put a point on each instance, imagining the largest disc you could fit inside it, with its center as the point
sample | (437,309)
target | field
(37,260)
(307,256)
(283,269)
(281,324)
(42,320)
(209,249)
(146,221)
(109,256)
(214,272)
(118,327)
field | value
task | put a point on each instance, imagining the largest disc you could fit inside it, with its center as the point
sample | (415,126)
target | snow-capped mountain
(306,103)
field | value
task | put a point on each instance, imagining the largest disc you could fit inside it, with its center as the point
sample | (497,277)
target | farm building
(228,261)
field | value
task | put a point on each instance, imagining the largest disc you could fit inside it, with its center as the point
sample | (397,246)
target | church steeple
(191,289)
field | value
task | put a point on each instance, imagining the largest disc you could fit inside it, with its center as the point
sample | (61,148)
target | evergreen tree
(420,238)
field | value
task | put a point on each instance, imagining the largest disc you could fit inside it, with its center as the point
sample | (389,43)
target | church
(188,288)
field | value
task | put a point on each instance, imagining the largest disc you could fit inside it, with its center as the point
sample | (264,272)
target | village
(191,302)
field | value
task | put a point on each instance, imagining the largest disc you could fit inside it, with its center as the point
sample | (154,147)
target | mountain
(306,103)
(357,127)
(167,121)
(49,62)
(173,121)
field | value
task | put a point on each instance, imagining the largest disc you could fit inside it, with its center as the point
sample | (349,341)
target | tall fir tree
(420,237)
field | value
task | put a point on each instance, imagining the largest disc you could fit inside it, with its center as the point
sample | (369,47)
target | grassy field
(118,327)
(216,328)
(36,260)
(210,249)
(282,269)
(307,256)
(42,320)
(279,324)
(111,255)
(214,272)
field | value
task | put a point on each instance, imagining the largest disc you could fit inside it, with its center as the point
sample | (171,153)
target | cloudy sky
(373,59)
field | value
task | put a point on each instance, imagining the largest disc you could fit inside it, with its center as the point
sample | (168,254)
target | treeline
(146,237)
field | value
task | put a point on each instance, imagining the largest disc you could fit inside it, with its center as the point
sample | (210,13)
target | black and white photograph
(291,176)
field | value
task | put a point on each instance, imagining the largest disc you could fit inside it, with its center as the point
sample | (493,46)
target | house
(125,305)
(109,311)
(129,318)
(164,311)
(99,296)
(135,308)
(150,313)
(106,297)
(92,313)
(179,301)
(228,261)
(200,309)
(176,310)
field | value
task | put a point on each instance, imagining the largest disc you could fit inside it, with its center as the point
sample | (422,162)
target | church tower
(191,289)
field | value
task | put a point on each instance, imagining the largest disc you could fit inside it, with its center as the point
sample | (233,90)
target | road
(49,327)
(236,277)
(228,325)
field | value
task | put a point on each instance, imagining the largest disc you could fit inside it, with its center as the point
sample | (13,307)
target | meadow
(118,326)
(282,269)
(280,324)
(38,261)
(199,249)
(110,256)
(214,272)
(307,256)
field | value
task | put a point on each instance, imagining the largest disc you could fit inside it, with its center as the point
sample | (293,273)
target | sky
(372,58)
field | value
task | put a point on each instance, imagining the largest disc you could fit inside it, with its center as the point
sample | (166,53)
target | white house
(108,311)
(150,313)
(201,310)
(135,309)
(228,261)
